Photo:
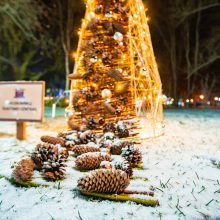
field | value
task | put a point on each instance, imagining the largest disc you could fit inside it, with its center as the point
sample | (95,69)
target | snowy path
(177,164)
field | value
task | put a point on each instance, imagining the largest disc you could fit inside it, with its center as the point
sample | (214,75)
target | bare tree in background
(181,35)
(68,21)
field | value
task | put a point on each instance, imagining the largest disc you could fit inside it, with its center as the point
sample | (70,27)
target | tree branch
(202,8)
(210,61)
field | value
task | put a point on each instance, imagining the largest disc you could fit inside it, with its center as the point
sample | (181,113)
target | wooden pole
(21,130)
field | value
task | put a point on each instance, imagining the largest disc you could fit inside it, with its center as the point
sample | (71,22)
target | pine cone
(23,172)
(65,153)
(54,169)
(64,134)
(123,131)
(109,127)
(91,161)
(82,149)
(104,181)
(124,165)
(132,155)
(116,74)
(118,27)
(74,126)
(87,136)
(118,145)
(53,140)
(42,153)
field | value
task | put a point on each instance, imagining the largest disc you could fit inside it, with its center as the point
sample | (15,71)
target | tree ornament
(119,28)
(106,58)
(118,36)
(144,71)
(98,9)
(107,4)
(96,78)
(116,74)
(93,25)
(109,14)
(69,111)
(110,109)
(121,44)
(108,26)
(106,94)
(94,59)
(91,15)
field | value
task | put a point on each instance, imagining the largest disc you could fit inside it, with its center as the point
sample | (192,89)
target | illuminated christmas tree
(115,75)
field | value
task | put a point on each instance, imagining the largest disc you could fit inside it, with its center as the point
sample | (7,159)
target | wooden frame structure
(146,86)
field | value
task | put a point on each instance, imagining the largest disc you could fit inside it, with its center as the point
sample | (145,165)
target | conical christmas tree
(115,74)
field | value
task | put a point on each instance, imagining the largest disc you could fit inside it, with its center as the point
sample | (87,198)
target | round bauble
(118,36)
(106,94)
(69,112)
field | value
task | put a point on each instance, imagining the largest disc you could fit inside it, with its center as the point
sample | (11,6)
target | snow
(179,165)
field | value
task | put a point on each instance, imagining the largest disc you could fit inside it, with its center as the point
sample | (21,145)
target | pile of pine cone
(111,159)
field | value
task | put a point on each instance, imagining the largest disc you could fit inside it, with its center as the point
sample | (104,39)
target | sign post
(21,130)
(22,102)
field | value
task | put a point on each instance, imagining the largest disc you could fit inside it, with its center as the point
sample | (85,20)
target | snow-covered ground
(179,165)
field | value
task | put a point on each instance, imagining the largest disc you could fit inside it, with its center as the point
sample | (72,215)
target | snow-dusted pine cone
(54,169)
(42,153)
(23,172)
(118,164)
(109,127)
(124,165)
(87,136)
(53,140)
(104,181)
(91,161)
(122,129)
(118,145)
(132,155)
(82,149)
(65,153)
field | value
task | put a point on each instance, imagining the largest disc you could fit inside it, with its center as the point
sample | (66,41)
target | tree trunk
(173,62)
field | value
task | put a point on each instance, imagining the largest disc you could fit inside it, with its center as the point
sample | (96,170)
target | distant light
(201,97)
(216,99)
(187,100)
(191,100)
